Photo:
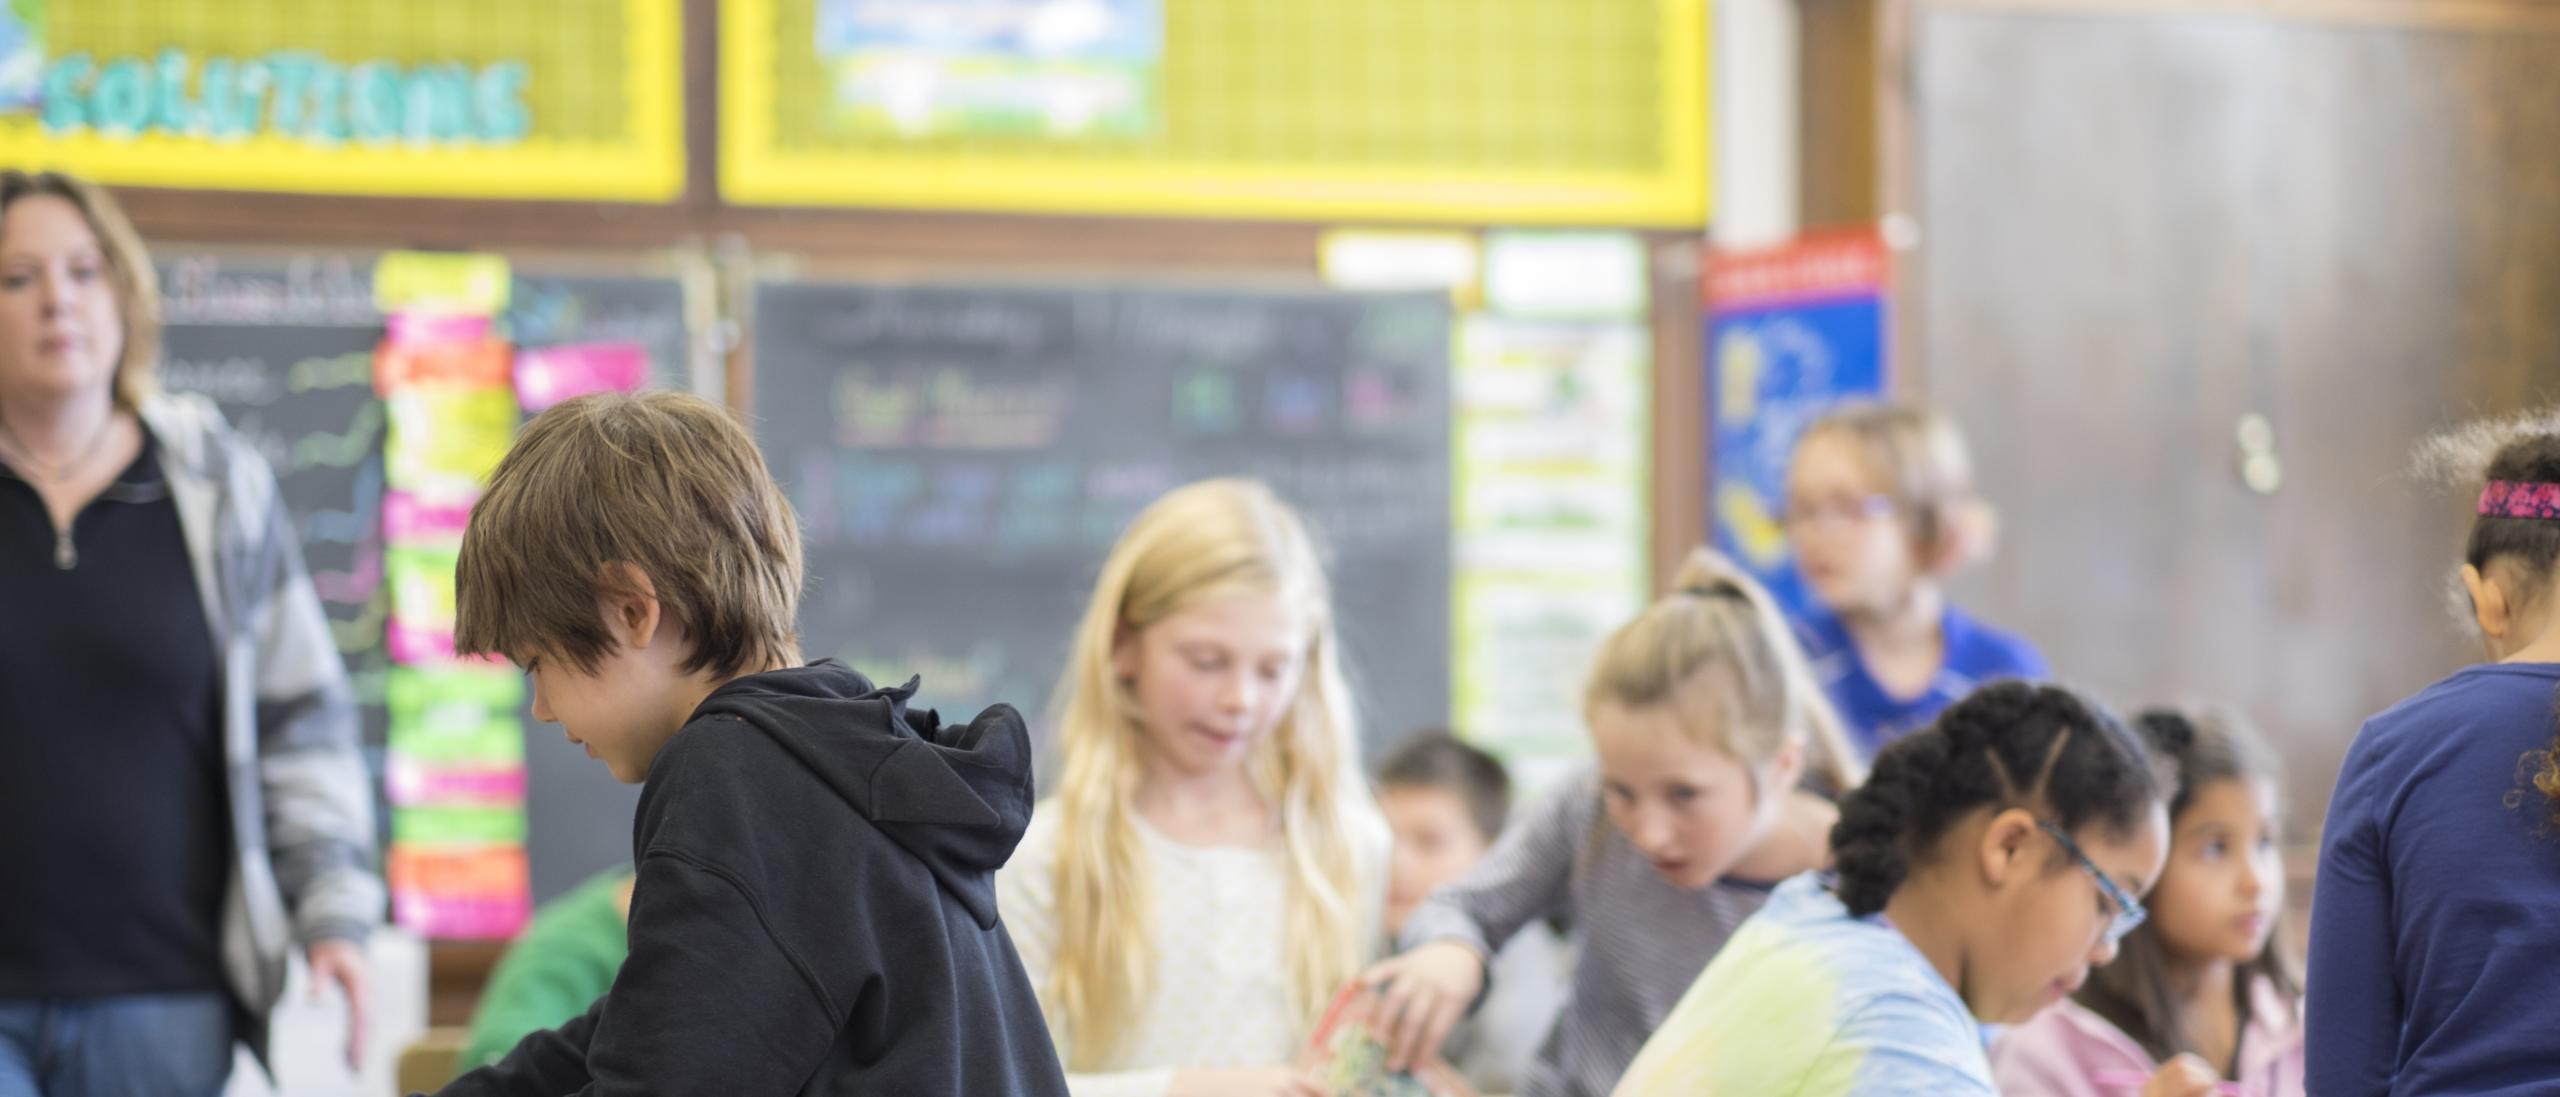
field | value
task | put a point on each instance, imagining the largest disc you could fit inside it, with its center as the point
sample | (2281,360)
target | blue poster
(1791,333)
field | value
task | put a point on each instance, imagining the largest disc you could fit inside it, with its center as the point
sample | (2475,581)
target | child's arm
(708,1002)
(554,972)
(2352,1012)
(1527,875)
(547,1063)
(1451,939)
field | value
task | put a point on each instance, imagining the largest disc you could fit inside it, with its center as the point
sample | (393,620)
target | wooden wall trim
(289,220)
(2478,15)
(1838,176)
(1898,196)
(1679,415)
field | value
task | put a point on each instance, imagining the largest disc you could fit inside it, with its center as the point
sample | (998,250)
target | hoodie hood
(957,798)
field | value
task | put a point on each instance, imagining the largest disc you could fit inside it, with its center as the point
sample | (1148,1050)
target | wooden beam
(1836,150)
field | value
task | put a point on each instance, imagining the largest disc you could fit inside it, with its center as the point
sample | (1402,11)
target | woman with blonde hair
(1210,866)
(179,778)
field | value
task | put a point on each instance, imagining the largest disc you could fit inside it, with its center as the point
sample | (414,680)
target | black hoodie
(816,910)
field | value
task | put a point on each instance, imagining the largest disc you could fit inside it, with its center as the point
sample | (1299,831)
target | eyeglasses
(2128,913)
(1836,512)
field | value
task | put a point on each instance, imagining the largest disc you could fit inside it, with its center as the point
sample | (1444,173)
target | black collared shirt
(114,829)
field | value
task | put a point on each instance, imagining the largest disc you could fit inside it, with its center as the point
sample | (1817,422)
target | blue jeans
(140,1045)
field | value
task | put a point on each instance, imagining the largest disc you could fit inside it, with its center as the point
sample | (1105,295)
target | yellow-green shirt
(1807,1001)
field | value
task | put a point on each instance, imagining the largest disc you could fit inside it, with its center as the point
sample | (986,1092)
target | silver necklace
(59,473)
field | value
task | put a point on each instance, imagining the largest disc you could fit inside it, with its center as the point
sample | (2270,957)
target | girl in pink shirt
(2204,976)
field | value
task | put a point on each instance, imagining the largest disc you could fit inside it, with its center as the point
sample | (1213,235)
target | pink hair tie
(2519,499)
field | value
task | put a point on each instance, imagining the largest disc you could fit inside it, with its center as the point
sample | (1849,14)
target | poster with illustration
(1792,332)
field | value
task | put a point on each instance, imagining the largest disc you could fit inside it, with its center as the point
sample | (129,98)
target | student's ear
(1787,768)
(1124,653)
(1967,530)
(2489,606)
(629,603)
(2008,848)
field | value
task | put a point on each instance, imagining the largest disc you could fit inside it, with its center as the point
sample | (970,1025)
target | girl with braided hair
(2205,974)
(1987,864)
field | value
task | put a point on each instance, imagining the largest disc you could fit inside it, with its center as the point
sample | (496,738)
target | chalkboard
(285,345)
(963,458)
(285,348)
(548,309)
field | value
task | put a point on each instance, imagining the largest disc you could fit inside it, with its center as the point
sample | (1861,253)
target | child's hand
(1263,1082)
(1421,996)
(2184,1076)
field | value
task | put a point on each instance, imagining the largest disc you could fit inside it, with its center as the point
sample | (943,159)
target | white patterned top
(1221,997)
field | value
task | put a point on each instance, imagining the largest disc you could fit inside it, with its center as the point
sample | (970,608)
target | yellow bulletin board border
(647,168)
(755,171)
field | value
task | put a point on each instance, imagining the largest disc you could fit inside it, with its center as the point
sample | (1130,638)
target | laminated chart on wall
(461,98)
(1792,332)
(1550,466)
(455,770)
(1482,111)
(1553,468)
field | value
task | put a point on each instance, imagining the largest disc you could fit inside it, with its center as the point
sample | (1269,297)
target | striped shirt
(1638,941)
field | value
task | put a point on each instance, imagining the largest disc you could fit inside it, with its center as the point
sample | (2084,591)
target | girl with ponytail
(1705,719)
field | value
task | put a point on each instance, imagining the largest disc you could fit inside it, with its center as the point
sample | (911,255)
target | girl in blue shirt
(2437,904)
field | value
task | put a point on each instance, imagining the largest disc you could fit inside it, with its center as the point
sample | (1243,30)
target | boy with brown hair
(815,909)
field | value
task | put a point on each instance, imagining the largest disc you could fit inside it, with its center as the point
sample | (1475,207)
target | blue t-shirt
(2435,925)
(1976,653)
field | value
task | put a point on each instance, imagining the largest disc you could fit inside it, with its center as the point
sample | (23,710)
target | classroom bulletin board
(1482,111)
(563,99)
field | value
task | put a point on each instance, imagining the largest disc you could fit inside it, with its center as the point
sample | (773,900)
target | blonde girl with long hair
(1210,865)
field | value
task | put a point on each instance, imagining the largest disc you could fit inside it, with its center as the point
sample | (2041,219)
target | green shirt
(562,963)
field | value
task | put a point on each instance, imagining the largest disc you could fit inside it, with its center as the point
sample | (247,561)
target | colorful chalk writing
(977,450)
(283,347)
(1552,522)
